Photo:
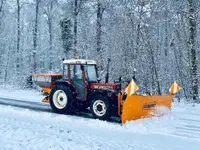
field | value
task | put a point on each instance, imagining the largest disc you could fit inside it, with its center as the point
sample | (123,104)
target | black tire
(54,99)
(96,107)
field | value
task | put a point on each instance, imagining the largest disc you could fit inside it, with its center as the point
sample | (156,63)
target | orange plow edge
(138,106)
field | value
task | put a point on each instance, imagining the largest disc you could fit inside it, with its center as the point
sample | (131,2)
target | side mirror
(120,78)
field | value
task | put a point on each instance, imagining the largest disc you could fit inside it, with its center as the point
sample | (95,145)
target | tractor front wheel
(61,99)
(100,107)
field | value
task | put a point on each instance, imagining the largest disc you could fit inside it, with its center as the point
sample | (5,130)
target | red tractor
(79,88)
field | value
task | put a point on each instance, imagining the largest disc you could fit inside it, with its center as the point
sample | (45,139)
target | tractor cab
(81,74)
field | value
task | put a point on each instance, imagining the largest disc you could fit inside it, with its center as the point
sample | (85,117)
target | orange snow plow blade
(138,106)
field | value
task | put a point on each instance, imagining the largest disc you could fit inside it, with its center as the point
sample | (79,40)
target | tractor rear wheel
(100,107)
(61,99)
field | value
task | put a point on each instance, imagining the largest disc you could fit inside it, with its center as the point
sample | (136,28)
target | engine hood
(103,86)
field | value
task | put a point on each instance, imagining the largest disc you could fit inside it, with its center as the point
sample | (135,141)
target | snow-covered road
(22,128)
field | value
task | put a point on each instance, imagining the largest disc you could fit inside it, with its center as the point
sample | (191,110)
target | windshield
(91,73)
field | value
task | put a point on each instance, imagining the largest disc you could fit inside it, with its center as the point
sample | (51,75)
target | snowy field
(22,128)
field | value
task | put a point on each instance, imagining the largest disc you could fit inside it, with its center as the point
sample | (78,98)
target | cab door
(76,75)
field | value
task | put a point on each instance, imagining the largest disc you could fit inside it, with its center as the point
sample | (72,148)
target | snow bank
(20,94)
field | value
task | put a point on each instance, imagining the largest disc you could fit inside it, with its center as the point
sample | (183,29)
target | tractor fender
(68,84)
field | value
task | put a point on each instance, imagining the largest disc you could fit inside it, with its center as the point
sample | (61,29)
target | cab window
(91,73)
(75,72)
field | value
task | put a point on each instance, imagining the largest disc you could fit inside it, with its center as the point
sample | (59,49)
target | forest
(157,41)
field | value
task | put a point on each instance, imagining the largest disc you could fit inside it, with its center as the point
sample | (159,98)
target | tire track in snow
(190,120)
(188,127)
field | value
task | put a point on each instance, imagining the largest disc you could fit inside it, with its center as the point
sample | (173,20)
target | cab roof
(79,61)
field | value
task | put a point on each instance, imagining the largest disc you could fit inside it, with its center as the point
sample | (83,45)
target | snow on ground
(27,129)
(26,95)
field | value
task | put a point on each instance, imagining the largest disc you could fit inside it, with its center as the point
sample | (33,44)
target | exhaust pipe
(107,74)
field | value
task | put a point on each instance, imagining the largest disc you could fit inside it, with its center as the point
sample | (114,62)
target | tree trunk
(50,35)
(1,5)
(192,40)
(1,8)
(166,29)
(18,37)
(178,55)
(154,69)
(1,49)
(35,36)
(100,11)
(138,31)
(66,35)
(75,25)
(99,19)
(6,67)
